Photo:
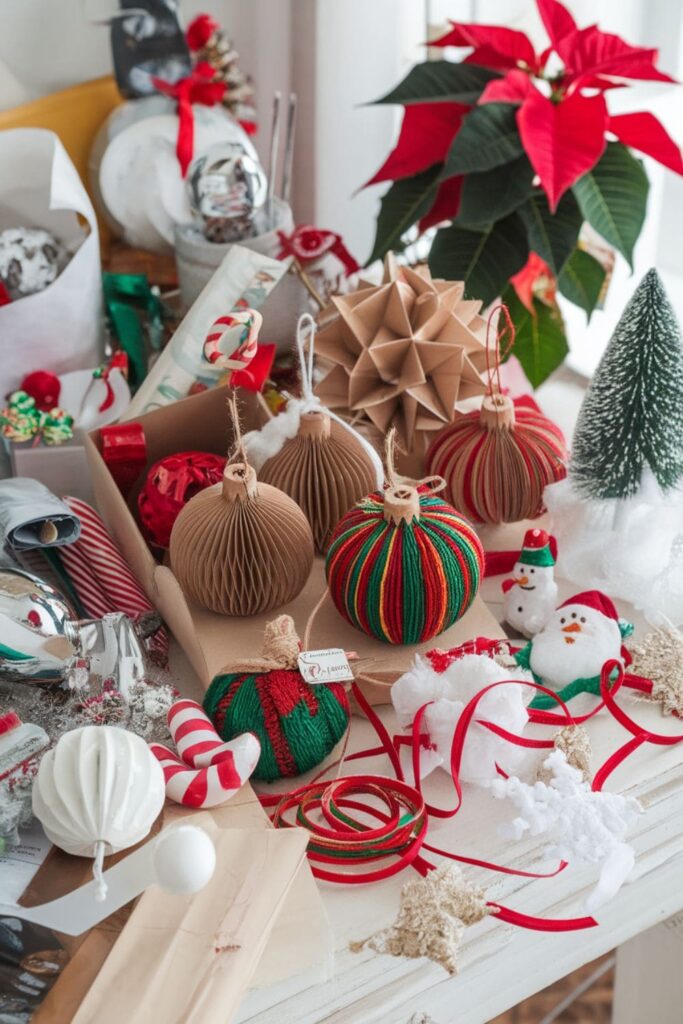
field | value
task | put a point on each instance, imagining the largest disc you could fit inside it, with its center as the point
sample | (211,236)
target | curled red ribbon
(198,87)
(307,243)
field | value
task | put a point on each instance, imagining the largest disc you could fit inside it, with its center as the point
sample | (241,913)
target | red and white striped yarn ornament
(206,771)
(238,359)
(102,579)
(497,461)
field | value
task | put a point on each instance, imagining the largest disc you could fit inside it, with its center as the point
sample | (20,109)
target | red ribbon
(198,87)
(307,244)
(124,451)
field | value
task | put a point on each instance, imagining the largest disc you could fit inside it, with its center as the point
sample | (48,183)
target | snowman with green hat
(530,594)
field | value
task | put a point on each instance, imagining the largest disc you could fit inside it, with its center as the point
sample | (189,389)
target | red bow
(198,87)
(308,243)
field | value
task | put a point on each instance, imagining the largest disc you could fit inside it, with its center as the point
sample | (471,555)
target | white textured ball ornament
(184,859)
(98,791)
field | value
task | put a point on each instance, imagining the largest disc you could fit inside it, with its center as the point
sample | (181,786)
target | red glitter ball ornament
(170,484)
(44,388)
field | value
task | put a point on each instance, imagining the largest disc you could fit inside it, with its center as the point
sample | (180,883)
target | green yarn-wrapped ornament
(403,565)
(297,724)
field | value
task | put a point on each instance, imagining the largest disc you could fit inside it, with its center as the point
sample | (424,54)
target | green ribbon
(135,310)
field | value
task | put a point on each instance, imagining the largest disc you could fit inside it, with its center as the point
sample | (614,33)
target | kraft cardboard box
(212,642)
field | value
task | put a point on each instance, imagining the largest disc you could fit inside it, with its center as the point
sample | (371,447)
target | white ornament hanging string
(265,443)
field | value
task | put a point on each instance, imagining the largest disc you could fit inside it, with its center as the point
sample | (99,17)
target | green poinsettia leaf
(489,196)
(402,206)
(441,81)
(581,280)
(540,339)
(488,138)
(552,235)
(613,198)
(484,258)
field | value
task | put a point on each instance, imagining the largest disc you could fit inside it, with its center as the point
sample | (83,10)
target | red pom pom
(200,31)
(44,388)
(170,484)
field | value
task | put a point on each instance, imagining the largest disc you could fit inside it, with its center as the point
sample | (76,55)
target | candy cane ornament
(240,357)
(206,771)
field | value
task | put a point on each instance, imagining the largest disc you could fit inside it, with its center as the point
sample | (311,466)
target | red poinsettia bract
(562,116)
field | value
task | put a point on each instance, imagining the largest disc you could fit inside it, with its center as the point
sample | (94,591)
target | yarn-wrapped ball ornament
(497,461)
(297,724)
(241,547)
(403,565)
(171,483)
(325,469)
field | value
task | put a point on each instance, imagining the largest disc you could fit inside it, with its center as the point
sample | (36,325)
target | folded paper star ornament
(404,352)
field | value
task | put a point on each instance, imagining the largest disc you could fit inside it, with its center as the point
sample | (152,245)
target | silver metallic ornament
(43,641)
(227,187)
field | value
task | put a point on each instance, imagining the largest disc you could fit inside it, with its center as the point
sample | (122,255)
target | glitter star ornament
(404,352)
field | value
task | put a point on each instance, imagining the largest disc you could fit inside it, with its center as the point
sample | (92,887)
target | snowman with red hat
(569,652)
(530,595)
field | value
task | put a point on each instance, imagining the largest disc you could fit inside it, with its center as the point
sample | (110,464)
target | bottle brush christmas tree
(632,415)
(618,517)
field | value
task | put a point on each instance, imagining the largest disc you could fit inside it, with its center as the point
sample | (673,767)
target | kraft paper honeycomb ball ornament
(325,469)
(496,461)
(403,565)
(311,454)
(241,547)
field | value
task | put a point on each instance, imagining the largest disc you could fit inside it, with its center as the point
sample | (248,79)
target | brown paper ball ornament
(241,547)
(325,469)
(496,462)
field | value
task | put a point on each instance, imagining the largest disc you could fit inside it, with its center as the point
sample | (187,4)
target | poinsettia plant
(516,150)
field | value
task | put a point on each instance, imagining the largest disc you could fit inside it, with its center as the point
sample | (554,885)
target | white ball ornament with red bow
(530,594)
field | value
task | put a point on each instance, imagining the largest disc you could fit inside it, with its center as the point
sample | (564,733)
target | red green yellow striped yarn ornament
(497,461)
(403,565)
(297,724)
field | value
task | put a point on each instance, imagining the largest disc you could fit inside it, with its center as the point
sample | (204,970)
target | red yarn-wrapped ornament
(44,388)
(497,461)
(171,483)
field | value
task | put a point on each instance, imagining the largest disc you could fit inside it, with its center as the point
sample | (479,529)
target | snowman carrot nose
(573,627)
(522,580)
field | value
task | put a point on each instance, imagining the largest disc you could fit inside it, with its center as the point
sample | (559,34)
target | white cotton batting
(580,825)
(630,549)
(451,691)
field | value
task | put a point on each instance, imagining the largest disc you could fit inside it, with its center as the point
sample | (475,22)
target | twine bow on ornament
(197,87)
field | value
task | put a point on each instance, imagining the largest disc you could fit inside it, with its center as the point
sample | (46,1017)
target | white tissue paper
(451,691)
(580,825)
(60,328)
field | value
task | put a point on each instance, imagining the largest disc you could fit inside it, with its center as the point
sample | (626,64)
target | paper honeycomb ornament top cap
(239,482)
(596,600)
(497,412)
(537,549)
(315,423)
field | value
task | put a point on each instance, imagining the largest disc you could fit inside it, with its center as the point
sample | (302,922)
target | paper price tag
(328,666)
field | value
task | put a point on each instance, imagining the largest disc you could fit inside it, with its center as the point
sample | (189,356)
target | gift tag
(327,666)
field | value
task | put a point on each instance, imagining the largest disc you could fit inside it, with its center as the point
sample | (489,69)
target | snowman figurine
(579,637)
(530,595)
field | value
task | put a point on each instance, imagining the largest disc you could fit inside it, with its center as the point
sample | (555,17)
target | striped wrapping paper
(100,575)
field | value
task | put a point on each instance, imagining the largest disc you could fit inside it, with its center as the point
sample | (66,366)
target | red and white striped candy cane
(213,784)
(195,737)
(240,357)
(103,579)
